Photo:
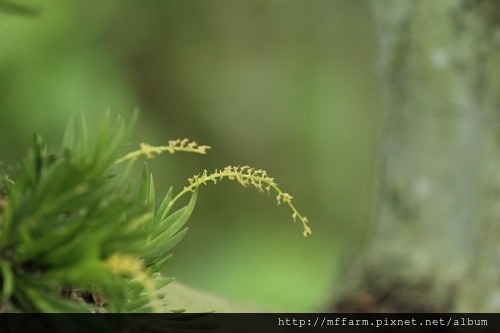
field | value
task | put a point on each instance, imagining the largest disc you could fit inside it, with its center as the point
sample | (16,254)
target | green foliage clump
(74,239)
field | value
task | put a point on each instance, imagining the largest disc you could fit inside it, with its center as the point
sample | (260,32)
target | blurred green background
(287,86)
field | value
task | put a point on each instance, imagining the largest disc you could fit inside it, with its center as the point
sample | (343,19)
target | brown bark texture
(435,235)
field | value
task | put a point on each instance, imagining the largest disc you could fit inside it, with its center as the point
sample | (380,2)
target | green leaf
(139,305)
(7,279)
(164,206)
(142,198)
(28,251)
(69,138)
(151,196)
(85,137)
(161,245)
(175,221)
(162,227)
(159,264)
(163,281)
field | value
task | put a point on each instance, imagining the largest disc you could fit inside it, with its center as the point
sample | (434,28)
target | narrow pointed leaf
(69,135)
(159,264)
(164,206)
(161,245)
(175,225)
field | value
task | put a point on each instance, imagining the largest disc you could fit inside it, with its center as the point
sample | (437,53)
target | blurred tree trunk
(435,237)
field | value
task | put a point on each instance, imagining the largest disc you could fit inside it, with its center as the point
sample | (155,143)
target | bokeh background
(284,85)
